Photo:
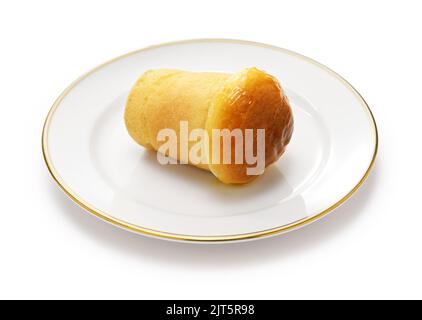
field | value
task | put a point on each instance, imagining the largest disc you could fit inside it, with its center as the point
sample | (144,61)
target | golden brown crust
(250,99)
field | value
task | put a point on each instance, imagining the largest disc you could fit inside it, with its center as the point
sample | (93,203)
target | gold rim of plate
(154,233)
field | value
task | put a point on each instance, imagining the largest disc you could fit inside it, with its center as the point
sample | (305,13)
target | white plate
(91,156)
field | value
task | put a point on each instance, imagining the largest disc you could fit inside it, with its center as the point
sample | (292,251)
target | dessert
(245,102)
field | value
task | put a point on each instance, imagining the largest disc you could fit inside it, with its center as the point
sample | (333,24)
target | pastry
(192,101)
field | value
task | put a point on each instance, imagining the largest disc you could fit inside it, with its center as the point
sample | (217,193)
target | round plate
(93,159)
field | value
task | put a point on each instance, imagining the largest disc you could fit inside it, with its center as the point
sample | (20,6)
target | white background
(369,248)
